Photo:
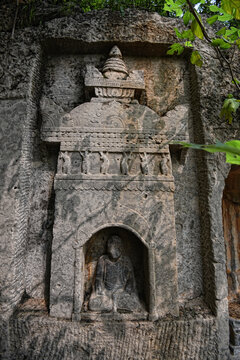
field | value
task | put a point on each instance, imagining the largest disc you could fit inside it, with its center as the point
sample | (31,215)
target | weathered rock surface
(50,61)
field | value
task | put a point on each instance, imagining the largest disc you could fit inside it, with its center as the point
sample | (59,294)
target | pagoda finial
(115,68)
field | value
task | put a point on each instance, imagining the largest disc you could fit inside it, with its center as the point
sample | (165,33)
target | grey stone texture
(43,79)
(40,337)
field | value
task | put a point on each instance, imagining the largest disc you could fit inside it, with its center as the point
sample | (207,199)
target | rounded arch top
(121,217)
(115,225)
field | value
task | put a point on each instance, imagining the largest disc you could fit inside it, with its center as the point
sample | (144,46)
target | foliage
(229,107)
(227,38)
(230,148)
(68,6)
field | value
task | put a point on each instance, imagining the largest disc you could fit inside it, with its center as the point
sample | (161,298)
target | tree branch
(217,49)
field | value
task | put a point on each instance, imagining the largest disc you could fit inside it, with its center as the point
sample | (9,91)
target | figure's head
(114,247)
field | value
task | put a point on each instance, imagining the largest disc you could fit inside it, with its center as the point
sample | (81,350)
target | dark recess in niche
(133,248)
(177,153)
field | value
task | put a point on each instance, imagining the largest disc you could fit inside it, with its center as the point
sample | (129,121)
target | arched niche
(133,248)
(231,227)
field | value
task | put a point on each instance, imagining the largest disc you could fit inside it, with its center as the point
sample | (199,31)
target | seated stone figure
(115,287)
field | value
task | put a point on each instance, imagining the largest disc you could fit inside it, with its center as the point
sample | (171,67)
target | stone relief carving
(114,288)
(144,163)
(85,161)
(64,163)
(124,166)
(105,162)
(111,163)
(76,162)
(164,166)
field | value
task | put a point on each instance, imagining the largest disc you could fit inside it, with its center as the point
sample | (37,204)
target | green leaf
(225,17)
(186,17)
(233,158)
(174,6)
(179,35)
(178,12)
(214,8)
(212,19)
(188,34)
(221,43)
(232,37)
(216,42)
(230,106)
(167,8)
(221,32)
(196,29)
(175,48)
(232,34)
(230,148)
(231,31)
(188,44)
(196,58)
(235,81)
(232,7)
(225,45)
(194,2)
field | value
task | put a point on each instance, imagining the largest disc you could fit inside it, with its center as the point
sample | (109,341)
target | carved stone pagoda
(114,172)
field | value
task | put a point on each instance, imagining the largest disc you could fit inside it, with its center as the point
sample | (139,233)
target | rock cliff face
(173,230)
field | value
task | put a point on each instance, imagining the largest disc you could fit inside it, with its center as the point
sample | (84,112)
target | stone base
(37,336)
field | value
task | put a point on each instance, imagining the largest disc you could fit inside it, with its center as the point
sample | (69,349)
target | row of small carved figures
(64,164)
